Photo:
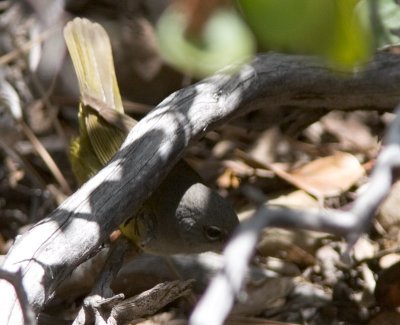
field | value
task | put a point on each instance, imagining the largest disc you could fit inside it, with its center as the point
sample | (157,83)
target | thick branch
(53,247)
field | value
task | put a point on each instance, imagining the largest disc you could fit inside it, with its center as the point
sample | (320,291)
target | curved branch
(56,245)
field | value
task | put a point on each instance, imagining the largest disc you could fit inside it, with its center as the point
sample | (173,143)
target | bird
(183,215)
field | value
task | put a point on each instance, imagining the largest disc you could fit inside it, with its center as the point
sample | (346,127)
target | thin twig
(45,95)
(53,111)
(102,289)
(15,54)
(30,170)
(42,152)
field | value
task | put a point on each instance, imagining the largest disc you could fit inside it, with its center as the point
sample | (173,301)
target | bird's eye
(213,233)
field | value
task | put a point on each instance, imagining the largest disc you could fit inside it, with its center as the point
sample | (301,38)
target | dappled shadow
(77,227)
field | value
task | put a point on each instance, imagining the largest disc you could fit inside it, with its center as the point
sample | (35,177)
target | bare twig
(102,289)
(15,54)
(48,160)
(30,170)
(149,301)
(40,149)
(52,110)
(220,295)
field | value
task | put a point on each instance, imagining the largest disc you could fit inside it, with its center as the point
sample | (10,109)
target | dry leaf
(351,131)
(323,177)
(297,246)
(297,200)
(327,176)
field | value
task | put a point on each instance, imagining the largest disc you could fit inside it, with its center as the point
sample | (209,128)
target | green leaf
(331,28)
(225,39)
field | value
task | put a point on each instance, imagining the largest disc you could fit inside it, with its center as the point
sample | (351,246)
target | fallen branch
(55,246)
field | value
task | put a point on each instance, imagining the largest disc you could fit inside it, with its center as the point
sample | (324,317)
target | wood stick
(55,246)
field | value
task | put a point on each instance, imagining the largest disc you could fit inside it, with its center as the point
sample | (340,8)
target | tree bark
(279,83)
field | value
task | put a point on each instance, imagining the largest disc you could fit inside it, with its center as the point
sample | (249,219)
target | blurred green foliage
(225,39)
(344,32)
(331,28)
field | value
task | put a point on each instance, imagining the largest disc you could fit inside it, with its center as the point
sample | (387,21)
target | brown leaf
(350,130)
(325,177)
(297,199)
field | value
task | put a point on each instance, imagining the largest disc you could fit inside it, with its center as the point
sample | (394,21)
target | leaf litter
(296,276)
